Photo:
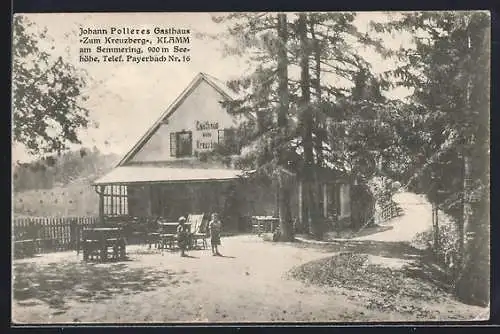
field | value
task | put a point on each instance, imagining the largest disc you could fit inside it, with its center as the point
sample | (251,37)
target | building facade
(163,175)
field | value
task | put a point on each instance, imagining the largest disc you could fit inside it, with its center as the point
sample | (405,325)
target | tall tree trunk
(286,227)
(285,214)
(471,279)
(283,73)
(466,206)
(435,223)
(316,83)
(307,128)
(319,216)
(463,286)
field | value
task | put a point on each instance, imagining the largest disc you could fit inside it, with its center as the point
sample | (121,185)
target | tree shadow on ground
(190,256)
(57,283)
(373,230)
(418,278)
(350,233)
(407,289)
(390,249)
(226,256)
(427,270)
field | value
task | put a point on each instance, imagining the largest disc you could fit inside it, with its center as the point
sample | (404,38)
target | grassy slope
(75,199)
(71,200)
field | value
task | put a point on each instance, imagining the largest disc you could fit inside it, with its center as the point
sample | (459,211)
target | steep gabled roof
(213,82)
(219,86)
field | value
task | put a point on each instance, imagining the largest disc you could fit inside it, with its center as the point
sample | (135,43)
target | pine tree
(264,92)
(286,227)
(319,45)
(449,70)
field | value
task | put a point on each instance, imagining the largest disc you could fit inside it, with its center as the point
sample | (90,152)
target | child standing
(182,235)
(215,227)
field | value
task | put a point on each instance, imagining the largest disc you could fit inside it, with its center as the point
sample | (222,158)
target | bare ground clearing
(252,283)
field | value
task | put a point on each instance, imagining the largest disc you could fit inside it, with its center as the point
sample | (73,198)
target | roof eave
(162,181)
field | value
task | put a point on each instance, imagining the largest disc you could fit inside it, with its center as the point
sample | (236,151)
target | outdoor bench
(24,248)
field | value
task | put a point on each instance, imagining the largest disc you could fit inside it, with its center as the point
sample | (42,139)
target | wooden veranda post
(325,200)
(100,191)
(301,205)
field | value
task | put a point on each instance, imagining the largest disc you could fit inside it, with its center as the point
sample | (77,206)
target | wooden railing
(390,210)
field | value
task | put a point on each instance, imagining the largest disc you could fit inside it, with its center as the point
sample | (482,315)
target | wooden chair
(167,236)
(153,232)
(198,230)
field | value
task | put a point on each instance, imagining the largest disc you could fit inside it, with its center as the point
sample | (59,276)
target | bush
(448,241)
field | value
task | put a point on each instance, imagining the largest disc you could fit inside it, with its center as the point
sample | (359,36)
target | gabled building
(163,175)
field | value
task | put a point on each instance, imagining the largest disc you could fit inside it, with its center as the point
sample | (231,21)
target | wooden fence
(50,234)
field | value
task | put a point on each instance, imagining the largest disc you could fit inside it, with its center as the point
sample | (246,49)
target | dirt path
(248,285)
(417,218)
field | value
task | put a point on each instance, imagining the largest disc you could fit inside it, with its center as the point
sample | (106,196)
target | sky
(125,99)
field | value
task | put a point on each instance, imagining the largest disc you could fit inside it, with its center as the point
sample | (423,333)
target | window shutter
(190,144)
(220,136)
(173,144)
(230,137)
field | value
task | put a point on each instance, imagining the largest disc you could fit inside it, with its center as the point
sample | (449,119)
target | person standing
(182,235)
(215,227)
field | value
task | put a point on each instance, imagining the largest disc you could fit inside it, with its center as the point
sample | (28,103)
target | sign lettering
(207,125)
(207,137)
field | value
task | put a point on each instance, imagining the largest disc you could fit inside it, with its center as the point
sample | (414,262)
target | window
(115,201)
(181,144)
(227,137)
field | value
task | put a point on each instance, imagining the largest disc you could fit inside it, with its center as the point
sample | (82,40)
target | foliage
(335,112)
(451,99)
(385,288)
(254,35)
(47,94)
(381,188)
(448,237)
(66,168)
(449,69)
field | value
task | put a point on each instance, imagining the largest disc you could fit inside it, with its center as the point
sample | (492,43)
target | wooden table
(171,224)
(262,224)
(98,241)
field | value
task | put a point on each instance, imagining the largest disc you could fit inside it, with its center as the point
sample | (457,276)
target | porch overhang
(141,174)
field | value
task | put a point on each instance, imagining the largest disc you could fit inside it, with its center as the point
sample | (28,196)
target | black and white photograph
(250,167)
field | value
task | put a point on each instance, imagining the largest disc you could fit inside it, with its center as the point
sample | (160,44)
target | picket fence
(50,234)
